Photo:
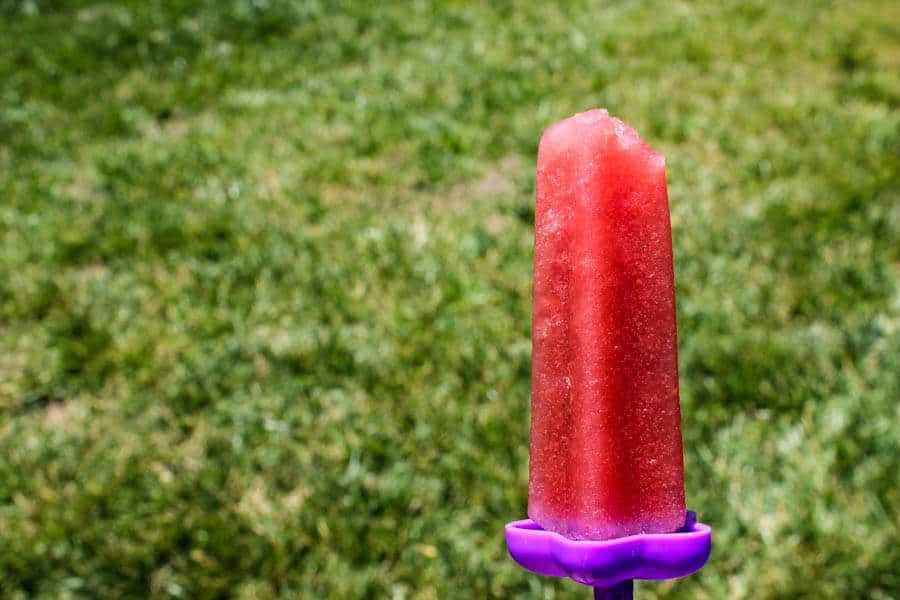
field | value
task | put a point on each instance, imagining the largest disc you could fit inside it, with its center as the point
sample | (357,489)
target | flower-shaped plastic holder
(611,564)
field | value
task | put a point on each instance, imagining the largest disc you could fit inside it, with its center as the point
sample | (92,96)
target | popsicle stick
(624,590)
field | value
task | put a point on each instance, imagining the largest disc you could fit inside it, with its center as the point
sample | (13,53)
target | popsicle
(606,449)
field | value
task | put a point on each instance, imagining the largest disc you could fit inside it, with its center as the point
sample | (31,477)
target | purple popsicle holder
(609,566)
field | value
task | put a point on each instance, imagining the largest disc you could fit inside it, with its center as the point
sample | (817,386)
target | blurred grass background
(265,288)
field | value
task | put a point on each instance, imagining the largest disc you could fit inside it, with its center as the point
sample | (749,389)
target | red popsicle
(606,452)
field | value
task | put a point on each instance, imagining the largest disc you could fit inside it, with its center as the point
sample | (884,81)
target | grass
(265,288)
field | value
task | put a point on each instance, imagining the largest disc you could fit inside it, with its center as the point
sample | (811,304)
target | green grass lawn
(265,275)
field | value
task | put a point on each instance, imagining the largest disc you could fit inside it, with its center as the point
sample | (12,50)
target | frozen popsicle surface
(606,450)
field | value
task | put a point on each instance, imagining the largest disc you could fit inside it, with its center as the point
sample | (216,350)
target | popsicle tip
(569,133)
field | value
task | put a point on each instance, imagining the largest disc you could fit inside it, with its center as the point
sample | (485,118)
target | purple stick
(624,590)
(610,565)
